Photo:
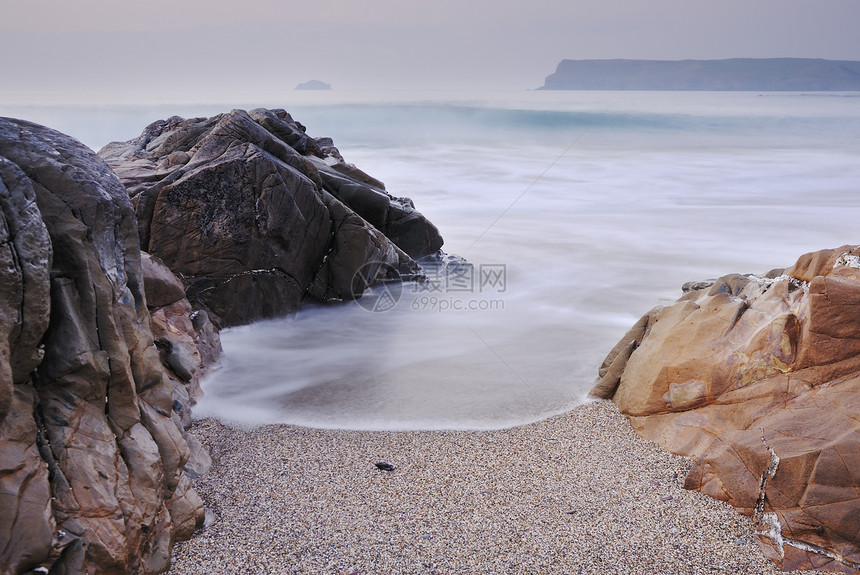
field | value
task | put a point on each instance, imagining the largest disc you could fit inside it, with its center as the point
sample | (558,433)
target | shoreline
(575,493)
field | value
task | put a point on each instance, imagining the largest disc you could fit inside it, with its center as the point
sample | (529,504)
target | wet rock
(254,214)
(180,359)
(206,338)
(395,217)
(161,286)
(91,459)
(758,378)
(199,460)
(25,260)
(384,466)
(188,344)
(27,523)
(697,285)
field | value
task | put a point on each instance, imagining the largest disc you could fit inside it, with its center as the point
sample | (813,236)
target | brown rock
(254,214)
(188,344)
(613,366)
(91,402)
(811,265)
(187,341)
(396,218)
(27,523)
(161,286)
(753,373)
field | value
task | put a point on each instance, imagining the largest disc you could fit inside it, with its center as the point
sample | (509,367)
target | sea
(566,216)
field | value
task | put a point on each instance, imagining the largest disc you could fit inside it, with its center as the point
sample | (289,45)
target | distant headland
(742,74)
(313,85)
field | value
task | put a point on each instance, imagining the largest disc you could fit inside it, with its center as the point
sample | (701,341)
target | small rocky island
(313,85)
(751,74)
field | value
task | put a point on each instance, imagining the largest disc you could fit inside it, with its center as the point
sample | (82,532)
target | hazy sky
(127,50)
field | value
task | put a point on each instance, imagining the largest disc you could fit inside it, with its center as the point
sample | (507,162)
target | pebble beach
(577,493)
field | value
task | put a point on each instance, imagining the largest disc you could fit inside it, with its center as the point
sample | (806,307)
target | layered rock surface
(92,449)
(758,378)
(254,215)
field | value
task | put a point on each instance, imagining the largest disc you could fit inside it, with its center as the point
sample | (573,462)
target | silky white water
(579,211)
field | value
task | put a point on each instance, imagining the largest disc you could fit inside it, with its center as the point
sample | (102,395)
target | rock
(254,214)
(695,286)
(91,457)
(179,357)
(206,338)
(25,257)
(384,466)
(199,460)
(27,523)
(161,286)
(186,506)
(313,85)
(758,378)
(613,365)
(188,344)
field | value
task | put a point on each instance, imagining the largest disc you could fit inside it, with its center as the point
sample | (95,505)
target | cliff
(765,74)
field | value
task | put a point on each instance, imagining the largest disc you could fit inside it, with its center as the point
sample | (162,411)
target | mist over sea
(578,212)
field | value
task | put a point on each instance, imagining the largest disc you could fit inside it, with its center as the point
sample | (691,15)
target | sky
(162,50)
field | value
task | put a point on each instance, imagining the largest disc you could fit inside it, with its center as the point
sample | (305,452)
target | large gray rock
(91,453)
(254,215)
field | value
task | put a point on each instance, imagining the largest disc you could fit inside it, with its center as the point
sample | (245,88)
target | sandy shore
(578,493)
